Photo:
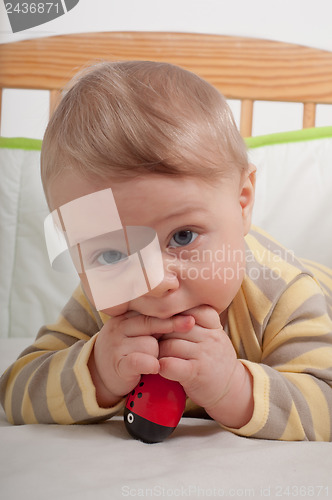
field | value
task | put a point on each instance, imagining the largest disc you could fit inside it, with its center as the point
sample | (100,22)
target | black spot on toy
(154,408)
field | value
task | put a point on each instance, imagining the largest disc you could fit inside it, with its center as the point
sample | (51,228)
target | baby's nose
(169,284)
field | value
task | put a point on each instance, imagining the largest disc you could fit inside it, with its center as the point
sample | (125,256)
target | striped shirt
(280,324)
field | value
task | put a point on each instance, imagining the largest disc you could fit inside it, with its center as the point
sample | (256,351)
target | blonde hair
(120,119)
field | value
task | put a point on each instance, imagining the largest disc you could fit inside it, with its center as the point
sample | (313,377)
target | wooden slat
(241,68)
(309,114)
(247,110)
(54,100)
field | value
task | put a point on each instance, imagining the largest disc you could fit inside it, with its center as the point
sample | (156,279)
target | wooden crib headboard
(241,68)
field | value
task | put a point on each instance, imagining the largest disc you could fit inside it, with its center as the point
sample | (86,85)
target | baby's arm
(284,390)
(50,382)
(292,382)
(74,373)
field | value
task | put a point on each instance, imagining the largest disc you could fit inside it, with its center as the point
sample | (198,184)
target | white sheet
(199,460)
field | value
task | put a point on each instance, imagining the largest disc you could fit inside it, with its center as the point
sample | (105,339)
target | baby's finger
(145,344)
(205,316)
(149,325)
(137,363)
(176,369)
(177,348)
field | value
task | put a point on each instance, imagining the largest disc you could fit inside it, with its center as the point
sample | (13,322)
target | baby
(235,318)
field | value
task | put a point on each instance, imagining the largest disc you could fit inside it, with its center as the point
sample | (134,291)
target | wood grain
(246,119)
(309,114)
(241,68)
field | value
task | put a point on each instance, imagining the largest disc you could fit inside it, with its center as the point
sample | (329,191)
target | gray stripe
(100,324)
(79,318)
(36,389)
(258,329)
(310,309)
(328,298)
(242,354)
(297,346)
(32,348)
(63,337)
(272,287)
(68,340)
(326,290)
(278,411)
(71,390)
(313,307)
(265,278)
(94,311)
(314,265)
(326,390)
(280,251)
(282,394)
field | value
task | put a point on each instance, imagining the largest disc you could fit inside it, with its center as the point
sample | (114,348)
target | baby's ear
(247,195)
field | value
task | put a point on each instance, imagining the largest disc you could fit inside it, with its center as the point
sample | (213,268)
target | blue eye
(182,238)
(110,257)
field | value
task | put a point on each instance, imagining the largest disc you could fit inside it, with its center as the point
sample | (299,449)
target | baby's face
(200,227)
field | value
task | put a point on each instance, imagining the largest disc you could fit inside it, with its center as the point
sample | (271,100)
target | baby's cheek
(110,311)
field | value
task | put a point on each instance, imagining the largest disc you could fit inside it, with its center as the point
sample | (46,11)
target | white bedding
(199,460)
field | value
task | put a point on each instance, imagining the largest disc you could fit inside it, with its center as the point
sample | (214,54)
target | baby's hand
(125,348)
(202,360)
(205,363)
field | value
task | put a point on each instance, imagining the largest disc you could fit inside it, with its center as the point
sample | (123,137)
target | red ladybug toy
(154,408)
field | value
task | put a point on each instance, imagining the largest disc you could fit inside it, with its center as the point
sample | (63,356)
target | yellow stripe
(291,300)
(28,414)
(294,430)
(317,403)
(63,326)
(79,296)
(256,301)
(104,317)
(54,394)
(49,342)
(261,231)
(85,383)
(323,278)
(261,401)
(320,358)
(234,331)
(239,321)
(326,271)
